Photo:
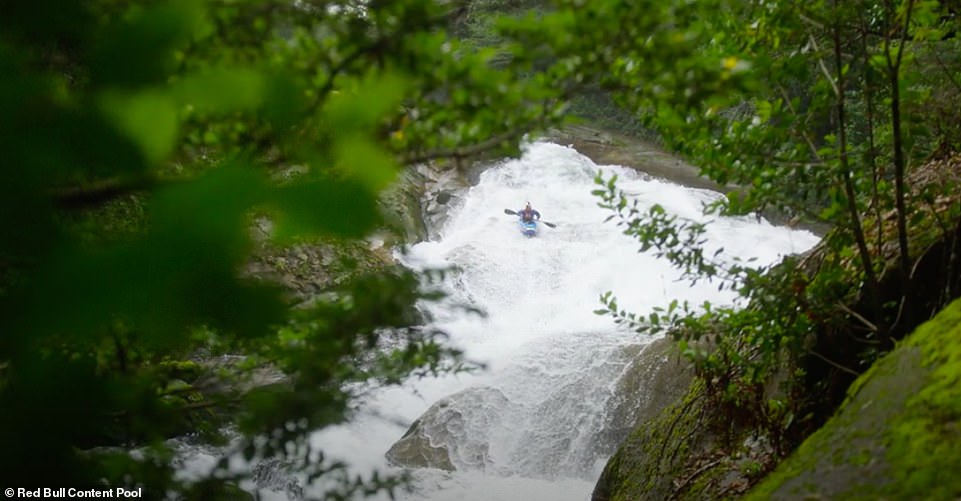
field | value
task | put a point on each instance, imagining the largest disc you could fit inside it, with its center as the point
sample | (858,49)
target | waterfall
(533,425)
(539,422)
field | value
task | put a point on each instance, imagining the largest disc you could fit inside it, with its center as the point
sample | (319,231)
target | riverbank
(605,147)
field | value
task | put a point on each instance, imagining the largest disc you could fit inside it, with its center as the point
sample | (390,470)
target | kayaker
(528,213)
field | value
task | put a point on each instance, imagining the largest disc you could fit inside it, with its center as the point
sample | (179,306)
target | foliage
(142,139)
(817,109)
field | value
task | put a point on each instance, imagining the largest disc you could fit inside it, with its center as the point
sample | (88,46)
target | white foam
(551,357)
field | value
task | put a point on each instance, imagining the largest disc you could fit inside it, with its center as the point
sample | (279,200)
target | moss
(898,435)
(925,443)
(646,464)
(706,484)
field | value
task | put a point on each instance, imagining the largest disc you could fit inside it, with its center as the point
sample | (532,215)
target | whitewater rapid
(551,363)
(532,425)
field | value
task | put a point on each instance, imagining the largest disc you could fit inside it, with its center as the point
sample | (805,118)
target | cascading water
(540,421)
(536,424)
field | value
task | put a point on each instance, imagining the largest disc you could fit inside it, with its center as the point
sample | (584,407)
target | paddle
(549,225)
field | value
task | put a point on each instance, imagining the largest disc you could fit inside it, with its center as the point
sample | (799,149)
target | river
(534,424)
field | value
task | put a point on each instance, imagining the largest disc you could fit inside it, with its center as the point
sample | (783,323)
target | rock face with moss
(656,377)
(419,199)
(650,460)
(898,436)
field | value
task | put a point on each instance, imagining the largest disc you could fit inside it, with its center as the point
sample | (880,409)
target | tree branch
(690,478)
(834,364)
(464,151)
(99,192)
(824,69)
(894,70)
(866,322)
(807,138)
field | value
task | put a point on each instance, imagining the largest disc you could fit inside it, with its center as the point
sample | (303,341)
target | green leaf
(211,210)
(183,273)
(361,108)
(344,208)
(140,49)
(763,110)
(148,119)
(220,90)
(364,161)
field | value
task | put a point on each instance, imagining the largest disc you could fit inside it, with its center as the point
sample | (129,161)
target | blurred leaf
(32,19)
(365,105)
(139,49)
(344,208)
(284,101)
(42,393)
(364,161)
(220,90)
(148,119)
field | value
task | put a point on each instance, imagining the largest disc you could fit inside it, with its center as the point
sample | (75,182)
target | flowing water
(535,424)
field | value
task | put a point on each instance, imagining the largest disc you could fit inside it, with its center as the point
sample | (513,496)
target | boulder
(670,440)
(654,455)
(898,435)
(655,378)
(452,433)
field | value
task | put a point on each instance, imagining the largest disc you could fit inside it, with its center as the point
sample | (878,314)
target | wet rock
(274,475)
(401,206)
(610,148)
(656,377)
(452,433)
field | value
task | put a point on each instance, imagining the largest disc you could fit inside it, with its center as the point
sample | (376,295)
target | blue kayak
(528,228)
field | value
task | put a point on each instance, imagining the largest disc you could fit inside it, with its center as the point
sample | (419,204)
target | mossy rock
(682,448)
(898,435)
(657,377)
(402,209)
(647,463)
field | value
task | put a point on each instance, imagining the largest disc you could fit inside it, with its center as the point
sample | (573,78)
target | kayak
(528,228)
